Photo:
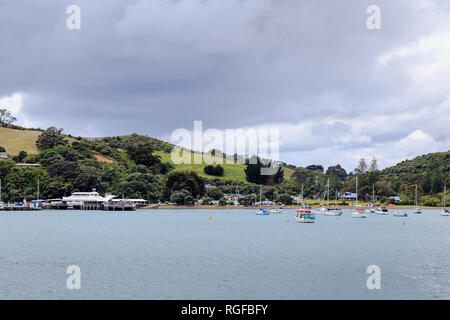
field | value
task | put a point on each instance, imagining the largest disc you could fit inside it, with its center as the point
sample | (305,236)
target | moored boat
(275,210)
(359,214)
(400,214)
(445,212)
(305,216)
(382,211)
(417,210)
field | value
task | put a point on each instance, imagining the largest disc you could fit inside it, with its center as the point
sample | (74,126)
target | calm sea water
(181,254)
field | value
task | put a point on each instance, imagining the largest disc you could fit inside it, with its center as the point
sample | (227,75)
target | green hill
(15,141)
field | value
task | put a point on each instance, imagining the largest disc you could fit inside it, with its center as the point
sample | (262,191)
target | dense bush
(214,170)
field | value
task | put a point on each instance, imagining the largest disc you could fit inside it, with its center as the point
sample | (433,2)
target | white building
(3,155)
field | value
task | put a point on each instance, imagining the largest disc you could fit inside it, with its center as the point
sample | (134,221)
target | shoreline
(166,207)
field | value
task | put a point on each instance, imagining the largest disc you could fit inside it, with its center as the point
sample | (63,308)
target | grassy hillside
(232,171)
(15,141)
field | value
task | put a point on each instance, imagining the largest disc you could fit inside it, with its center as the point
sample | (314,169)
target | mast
(260,190)
(328,193)
(415,198)
(37,194)
(0,190)
(445,194)
(373,194)
(302,196)
(356,192)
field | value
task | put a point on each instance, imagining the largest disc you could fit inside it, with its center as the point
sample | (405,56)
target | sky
(336,90)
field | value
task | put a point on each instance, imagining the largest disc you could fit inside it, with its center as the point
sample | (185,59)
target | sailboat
(445,212)
(372,205)
(304,215)
(358,213)
(276,210)
(37,207)
(2,204)
(417,210)
(261,211)
(331,211)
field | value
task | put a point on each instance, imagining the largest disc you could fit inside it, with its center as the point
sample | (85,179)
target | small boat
(359,214)
(382,211)
(305,216)
(70,207)
(417,209)
(262,212)
(279,210)
(445,212)
(400,214)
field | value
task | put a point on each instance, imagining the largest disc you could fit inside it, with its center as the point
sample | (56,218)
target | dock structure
(89,201)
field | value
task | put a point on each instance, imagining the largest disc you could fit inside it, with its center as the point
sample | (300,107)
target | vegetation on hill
(138,166)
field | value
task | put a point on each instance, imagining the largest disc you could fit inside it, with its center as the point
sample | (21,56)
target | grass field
(15,141)
(231,171)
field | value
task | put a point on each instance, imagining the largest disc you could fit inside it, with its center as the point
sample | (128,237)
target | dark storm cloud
(154,66)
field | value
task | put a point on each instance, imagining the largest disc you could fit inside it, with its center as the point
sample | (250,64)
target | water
(181,254)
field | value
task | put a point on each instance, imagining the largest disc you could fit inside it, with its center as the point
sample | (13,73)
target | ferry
(305,216)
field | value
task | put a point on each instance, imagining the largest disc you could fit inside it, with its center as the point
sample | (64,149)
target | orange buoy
(210,218)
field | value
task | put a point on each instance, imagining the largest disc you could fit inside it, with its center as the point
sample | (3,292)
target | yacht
(331,211)
(305,216)
(261,211)
(417,209)
(358,213)
(275,210)
(382,211)
(400,214)
(445,212)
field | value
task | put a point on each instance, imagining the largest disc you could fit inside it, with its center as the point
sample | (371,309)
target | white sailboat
(358,213)
(372,206)
(331,211)
(445,212)
(261,211)
(276,210)
(417,209)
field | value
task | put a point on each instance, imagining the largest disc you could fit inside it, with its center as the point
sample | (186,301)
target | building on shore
(3,155)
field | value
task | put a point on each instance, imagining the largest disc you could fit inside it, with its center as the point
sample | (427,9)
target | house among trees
(3,155)
(396,198)
(348,196)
